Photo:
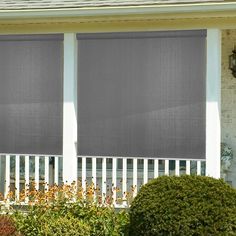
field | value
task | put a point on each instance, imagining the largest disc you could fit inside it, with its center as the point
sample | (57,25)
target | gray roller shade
(31,94)
(142,94)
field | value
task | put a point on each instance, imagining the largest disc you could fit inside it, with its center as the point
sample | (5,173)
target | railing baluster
(94,171)
(198,167)
(27,172)
(114,177)
(36,172)
(46,171)
(7,175)
(104,177)
(135,176)
(145,170)
(124,178)
(56,170)
(166,167)
(188,167)
(156,168)
(17,177)
(177,167)
(84,175)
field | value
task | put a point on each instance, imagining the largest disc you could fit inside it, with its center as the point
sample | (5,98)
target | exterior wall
(228,104)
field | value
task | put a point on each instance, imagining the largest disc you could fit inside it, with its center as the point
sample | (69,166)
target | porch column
(70,109)
(213,92)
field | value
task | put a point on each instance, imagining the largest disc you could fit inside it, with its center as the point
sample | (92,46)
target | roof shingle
(58,4)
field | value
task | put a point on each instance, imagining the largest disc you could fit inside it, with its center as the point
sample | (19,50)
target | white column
(213,91)
(70,109)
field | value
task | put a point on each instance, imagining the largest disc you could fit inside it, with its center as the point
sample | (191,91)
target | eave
(106,19)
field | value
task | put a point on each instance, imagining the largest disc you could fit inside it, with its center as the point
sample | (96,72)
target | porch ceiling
(65,4)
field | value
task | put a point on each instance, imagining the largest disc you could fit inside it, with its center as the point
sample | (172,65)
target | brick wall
(228,100)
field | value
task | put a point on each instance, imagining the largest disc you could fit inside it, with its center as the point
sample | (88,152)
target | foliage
(186,205)
(37,222)
(7,226)
(66,210)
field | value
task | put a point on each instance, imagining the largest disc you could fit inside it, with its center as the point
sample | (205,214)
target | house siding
(228,102)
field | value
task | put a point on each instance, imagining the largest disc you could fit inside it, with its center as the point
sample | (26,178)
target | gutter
(119,11)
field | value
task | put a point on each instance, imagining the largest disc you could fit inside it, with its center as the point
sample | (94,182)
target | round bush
(186,205)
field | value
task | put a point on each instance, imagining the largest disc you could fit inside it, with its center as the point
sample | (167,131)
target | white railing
(18,171)
(119,175)
(127,174)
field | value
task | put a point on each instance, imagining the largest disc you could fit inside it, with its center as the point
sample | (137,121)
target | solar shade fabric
(142,94)
(31,94)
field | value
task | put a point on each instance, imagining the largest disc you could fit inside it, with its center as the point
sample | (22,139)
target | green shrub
(102,220)
(184,206)
(50,224)
(71,219)
(63,210)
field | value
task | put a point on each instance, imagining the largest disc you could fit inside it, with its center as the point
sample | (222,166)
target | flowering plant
(68,209)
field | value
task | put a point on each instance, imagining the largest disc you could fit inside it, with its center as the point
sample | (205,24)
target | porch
(65,162)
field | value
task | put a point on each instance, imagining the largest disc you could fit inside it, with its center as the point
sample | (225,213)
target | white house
(108,90)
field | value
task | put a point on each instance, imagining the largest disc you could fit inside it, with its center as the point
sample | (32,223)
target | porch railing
(127,174)
(124,174)
(18,171)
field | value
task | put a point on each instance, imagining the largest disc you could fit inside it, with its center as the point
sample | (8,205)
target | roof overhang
(196,8)
(120,19)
